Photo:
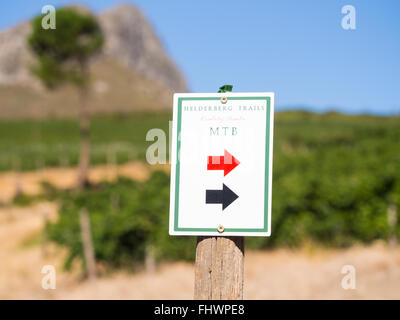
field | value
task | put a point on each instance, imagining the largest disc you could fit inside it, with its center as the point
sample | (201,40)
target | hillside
(133,72)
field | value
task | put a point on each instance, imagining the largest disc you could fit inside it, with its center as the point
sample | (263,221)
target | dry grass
(301,274)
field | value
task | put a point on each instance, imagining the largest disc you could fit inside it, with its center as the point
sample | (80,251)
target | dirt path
(304,274)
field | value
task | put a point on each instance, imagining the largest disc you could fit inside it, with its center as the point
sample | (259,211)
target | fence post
(219,268)
(88,250)
(112,170)
(44,239)
(392,222)
(150,262)
(16,163)
(40,165)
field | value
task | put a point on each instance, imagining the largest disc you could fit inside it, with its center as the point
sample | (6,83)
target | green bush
(126,217)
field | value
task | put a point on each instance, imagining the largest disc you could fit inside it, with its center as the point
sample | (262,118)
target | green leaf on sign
(225,88)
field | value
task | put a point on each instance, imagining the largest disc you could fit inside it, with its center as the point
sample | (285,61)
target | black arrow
(225,196)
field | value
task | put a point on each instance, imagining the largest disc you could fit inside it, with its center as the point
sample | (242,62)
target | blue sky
(297,49)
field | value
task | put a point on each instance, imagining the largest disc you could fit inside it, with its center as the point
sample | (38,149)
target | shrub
(126,217)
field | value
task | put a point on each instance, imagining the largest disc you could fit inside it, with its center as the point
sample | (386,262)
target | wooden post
(219,268)
(40,164)
(112,165)
(18,183)
(392,222)
(88,250)
(219,264)
(44,239)
(150,262)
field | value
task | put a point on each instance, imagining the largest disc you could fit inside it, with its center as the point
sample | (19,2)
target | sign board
(221,164)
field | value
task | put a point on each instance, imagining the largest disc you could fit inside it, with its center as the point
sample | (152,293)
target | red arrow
(227,162)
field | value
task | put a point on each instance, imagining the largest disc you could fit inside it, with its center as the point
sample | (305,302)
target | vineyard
(334,178)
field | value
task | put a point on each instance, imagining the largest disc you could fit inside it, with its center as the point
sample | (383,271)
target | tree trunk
(88,250)
(84,155)
(219,268)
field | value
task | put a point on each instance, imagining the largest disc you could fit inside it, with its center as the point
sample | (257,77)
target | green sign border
(177,169)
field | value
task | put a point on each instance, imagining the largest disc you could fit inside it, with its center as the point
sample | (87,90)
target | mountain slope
(133,72)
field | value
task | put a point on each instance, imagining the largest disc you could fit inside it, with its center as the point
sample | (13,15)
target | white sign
(221,169)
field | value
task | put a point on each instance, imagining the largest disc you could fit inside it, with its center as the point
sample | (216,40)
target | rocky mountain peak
(129,40)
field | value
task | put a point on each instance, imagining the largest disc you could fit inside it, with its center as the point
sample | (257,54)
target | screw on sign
(214,195)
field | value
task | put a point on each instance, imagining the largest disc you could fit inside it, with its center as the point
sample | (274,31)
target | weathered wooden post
(44,239)
(17,172)
(219,264)
(392,222)
(88,250)
(219,268)
(221,180)
(150,262)
(40,166)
